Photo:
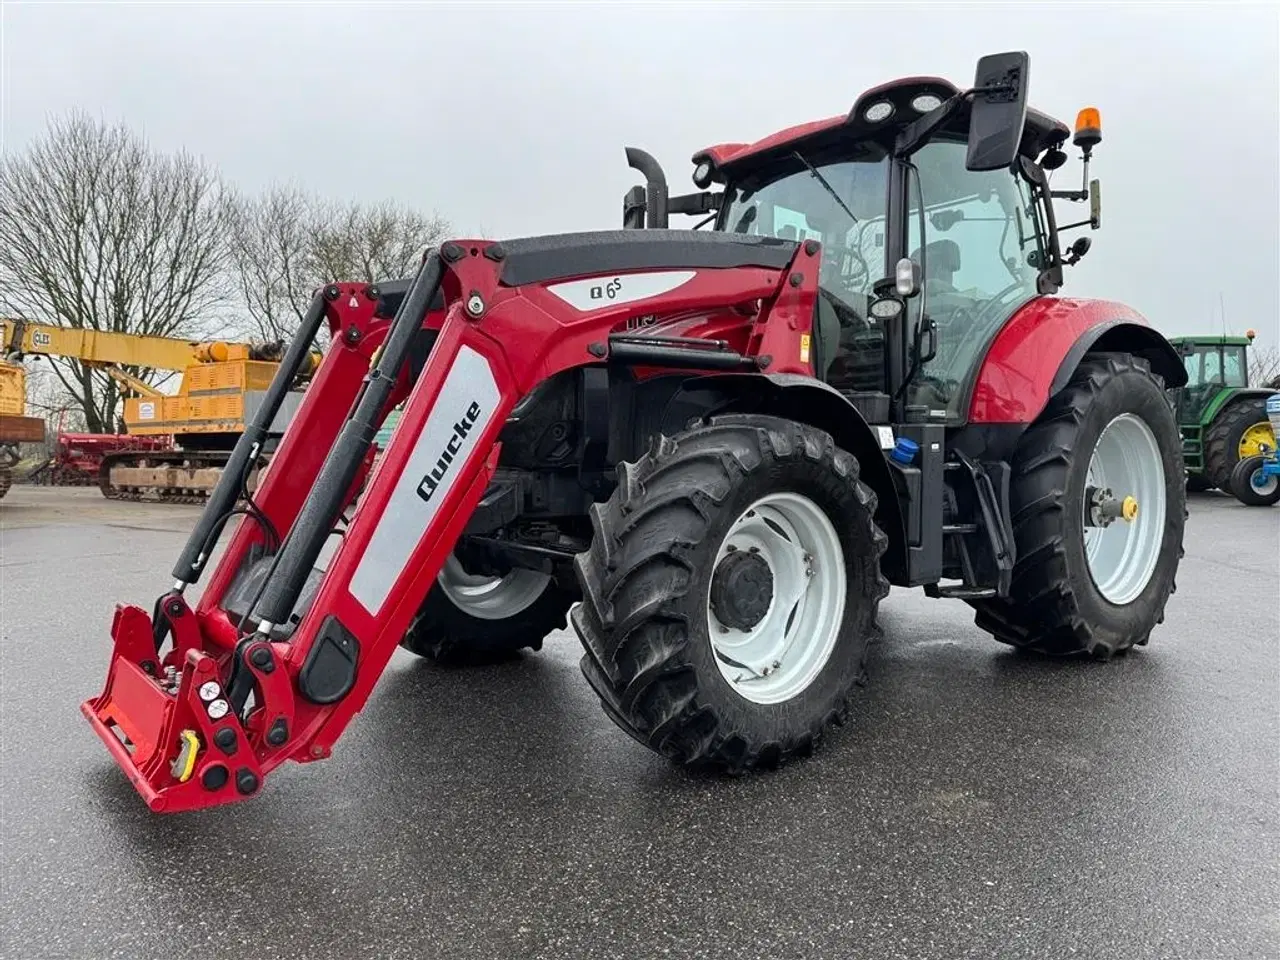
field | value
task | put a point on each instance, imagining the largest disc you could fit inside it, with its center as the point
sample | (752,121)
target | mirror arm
(914,135)
(1075,226)
(1083,192)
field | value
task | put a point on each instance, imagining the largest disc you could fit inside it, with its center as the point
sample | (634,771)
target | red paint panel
(1013,382)
(723,153)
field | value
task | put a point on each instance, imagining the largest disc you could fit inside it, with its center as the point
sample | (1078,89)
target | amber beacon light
(1088,128)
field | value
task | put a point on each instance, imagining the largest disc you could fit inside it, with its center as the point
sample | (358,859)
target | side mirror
(1095,204)
(999,110)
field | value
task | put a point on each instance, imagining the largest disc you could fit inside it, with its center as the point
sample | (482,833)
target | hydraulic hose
(223,499)
(309,532)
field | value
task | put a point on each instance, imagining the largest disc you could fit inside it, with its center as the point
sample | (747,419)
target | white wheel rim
(1122,556)
(491,598)
(784,652)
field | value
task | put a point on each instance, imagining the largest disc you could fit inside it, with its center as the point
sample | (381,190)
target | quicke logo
(427,488)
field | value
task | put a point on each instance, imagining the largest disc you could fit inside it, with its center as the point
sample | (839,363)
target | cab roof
(1042,131)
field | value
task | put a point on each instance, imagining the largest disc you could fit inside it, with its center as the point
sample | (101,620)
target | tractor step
(959,592)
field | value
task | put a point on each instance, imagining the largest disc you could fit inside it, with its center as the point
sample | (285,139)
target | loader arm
(233,697)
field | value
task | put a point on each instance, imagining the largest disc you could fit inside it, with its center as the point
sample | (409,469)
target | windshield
(841,203)
(793,203)
(1219,365)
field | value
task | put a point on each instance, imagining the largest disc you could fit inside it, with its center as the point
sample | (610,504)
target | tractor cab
(934,214)
(1213,364)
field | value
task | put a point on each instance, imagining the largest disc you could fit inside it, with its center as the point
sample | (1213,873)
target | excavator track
(171,476)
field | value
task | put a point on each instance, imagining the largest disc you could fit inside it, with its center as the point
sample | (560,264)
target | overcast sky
(510,119)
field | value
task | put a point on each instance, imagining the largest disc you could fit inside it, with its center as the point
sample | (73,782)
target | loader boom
(312,665)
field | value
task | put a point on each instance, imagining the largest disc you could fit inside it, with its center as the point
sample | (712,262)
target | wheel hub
(742,589)
(1105,508)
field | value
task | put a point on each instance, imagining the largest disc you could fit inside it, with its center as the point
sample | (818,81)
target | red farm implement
(77,457)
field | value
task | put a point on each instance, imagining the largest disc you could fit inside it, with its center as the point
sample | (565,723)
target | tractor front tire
(1097,593)
(468,620)
(1222,438)
(1251,494)
(731,591)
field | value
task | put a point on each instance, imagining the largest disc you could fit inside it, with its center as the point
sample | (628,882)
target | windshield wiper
(823,180)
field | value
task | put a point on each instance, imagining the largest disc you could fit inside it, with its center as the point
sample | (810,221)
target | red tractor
(713,450)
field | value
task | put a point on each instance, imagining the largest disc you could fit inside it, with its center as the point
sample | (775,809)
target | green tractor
(1223,419)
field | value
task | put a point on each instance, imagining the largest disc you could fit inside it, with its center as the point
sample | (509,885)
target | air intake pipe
(655,186)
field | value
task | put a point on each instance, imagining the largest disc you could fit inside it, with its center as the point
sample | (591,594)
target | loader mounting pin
(475,304)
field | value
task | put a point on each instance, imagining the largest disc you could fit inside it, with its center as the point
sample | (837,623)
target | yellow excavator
(223,383)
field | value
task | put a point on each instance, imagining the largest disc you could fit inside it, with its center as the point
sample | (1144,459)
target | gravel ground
(983,804)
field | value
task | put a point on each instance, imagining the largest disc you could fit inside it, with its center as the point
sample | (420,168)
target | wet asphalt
(982,803)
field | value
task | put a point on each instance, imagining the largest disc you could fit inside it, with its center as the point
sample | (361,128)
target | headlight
(878,112)
(702,175)
(925,102)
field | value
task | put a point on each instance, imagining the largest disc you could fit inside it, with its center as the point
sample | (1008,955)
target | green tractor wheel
(1237,433)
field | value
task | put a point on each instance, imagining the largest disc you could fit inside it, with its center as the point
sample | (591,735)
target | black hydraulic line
(630,353)
(223,498)
(307,536)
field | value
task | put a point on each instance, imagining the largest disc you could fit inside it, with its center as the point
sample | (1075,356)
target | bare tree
(98,231)
(287,243)
(271,257)
(1264,367)
(368,244)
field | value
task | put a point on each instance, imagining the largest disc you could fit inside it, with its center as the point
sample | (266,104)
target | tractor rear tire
(469,623)
(662,569)
(1243,489)
(1222,438)
(1056,606)
(6,479)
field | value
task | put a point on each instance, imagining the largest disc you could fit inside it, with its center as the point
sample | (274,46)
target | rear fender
(1034,355)
(805,399)
(1229,397)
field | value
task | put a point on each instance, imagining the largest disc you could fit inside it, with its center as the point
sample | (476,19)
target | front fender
(806,399)
(1035,353)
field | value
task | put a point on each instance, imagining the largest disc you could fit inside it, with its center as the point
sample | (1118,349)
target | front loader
(710,451)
